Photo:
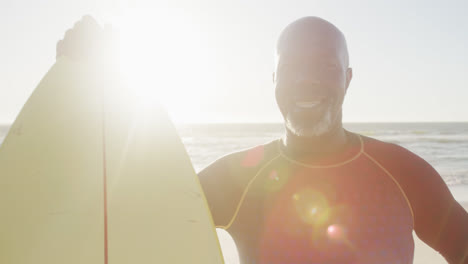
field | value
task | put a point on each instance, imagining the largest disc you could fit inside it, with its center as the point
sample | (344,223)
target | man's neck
(317,146)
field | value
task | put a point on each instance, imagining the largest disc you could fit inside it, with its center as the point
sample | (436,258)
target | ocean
(443,145)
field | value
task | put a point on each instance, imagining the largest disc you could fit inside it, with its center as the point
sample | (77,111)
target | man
(322,194)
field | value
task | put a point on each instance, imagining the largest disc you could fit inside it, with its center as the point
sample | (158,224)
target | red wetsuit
(359,206)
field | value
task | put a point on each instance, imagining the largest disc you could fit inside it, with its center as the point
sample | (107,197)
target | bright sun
(165,59)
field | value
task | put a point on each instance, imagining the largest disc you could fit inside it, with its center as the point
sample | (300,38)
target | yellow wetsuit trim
(245,192)
(394,180)
(325,166)
(281,154)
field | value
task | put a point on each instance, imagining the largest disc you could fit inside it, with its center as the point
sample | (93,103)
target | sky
(212,60)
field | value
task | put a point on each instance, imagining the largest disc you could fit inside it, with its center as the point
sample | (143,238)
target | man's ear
(349,76)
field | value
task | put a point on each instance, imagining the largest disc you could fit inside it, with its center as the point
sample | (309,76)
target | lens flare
(339,234)
(336,232)
(313,211)
(273,176)
(275,179)
(311,206)
(253,157)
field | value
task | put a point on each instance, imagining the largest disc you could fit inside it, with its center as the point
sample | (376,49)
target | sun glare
(165,60)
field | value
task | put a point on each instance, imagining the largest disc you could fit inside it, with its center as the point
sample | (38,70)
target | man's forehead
(312,52)
(311,39)
(312,48)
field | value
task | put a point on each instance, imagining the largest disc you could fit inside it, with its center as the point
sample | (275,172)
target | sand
(423,254)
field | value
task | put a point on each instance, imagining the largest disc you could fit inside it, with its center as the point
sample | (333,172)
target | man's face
(311,80)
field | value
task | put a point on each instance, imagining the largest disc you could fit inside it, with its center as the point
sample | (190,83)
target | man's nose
(307,79)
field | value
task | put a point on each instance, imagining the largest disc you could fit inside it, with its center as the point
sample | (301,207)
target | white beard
(322,126)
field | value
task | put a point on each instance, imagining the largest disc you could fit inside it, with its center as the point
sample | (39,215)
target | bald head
(308,31)
(311,77)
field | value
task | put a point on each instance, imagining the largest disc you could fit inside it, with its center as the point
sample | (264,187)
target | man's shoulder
(376,147)
(391,154)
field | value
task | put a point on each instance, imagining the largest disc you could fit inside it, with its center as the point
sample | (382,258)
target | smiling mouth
(309,104)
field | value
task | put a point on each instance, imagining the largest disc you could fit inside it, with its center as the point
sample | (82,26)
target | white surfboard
(85,177)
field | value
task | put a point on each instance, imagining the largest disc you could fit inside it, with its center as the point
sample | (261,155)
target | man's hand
(87,40)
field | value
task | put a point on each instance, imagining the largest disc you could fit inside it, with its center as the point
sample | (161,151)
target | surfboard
(86,176)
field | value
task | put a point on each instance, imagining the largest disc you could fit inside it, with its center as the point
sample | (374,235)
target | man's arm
(220,191)
(439,220)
